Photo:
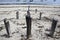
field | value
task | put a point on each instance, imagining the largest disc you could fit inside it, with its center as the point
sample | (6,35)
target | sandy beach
(18,27)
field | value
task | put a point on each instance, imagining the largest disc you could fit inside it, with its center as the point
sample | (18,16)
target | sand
(18,26)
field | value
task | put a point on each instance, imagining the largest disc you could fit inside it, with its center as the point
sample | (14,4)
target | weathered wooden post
(7,26)
(40,14)
(53,26)
(35,10)
(28,22)
(17,15)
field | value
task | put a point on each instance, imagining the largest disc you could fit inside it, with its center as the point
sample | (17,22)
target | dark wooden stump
(40,16)
(53,26)
(35,10)
(28,23)
(17,15)
(7,26)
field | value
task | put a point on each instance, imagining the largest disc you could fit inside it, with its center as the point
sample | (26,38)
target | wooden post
(17,15)
(7,26)
(40,14)
(28,22)
(35,10)
(53,26)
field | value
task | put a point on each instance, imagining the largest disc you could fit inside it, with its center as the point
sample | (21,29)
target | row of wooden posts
(29,23)
(17,15)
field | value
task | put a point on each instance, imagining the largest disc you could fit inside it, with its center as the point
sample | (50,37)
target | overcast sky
(34,1)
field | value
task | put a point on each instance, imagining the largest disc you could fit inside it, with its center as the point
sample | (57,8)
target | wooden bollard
(40,14)
(17,15)
(28,22)
(35,10)
(7,26)
(53,26)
